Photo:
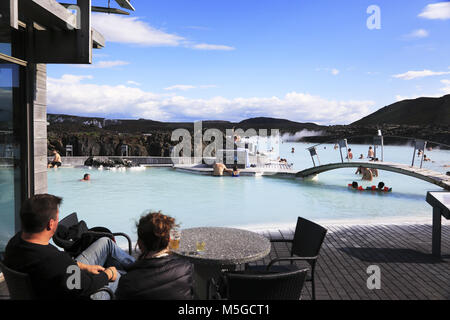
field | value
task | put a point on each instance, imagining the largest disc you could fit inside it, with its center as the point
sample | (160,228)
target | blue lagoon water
(116,199)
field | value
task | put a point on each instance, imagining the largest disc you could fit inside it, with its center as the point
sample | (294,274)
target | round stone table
(224,249)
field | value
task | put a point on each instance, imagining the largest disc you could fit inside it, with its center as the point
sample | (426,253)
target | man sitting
(54,274)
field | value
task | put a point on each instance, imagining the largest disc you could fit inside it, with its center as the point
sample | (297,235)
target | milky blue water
(117,199)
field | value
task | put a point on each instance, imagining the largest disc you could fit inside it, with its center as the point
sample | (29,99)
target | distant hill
(420,111)
(69,123)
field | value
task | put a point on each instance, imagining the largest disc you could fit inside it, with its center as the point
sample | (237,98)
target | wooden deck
(402,251)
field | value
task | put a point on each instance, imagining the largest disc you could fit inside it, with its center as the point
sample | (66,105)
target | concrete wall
(40,130)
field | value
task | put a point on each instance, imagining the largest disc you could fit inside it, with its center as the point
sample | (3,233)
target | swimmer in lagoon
(235,172)
(219,168)
(86,177)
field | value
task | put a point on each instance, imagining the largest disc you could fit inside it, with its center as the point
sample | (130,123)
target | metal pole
(382,149)
(414,155)
(423,153)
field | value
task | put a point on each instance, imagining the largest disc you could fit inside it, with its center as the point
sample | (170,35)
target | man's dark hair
(355,184)
(37,211)
(381,185)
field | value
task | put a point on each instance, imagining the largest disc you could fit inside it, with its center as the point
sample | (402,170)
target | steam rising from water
(288,137)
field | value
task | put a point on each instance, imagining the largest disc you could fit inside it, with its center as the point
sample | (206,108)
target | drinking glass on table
(175,236)
(200,244)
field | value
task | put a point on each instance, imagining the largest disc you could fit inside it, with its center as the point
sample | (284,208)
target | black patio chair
(306,244)
(71,220)
(264,285)
(20,288)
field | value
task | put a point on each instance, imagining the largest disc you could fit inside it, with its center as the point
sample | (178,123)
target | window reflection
(9,149)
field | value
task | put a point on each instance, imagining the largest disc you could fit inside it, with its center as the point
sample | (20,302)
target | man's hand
(95,269)
(111,273)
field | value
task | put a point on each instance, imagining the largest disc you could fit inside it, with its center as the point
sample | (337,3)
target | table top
(223,246)
(441,200)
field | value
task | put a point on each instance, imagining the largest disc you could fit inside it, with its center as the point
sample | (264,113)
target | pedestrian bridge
(434,177)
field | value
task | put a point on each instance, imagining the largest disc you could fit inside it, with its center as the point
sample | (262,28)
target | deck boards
(403,253)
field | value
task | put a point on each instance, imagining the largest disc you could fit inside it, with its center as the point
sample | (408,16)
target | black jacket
(165,278)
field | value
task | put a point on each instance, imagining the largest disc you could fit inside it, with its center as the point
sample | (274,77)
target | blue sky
(184,60)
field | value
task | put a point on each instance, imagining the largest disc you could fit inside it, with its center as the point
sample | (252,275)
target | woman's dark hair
(355,184)
(153,231)
(37,211)
(85,175)
(381,185)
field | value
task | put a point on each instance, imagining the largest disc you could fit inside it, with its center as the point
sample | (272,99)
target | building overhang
(60,35)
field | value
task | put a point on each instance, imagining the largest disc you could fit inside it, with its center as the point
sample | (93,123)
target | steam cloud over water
(300,134)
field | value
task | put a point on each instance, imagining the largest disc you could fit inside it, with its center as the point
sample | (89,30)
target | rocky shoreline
(158,142)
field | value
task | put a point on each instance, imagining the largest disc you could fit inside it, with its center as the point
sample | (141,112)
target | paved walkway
(403,253)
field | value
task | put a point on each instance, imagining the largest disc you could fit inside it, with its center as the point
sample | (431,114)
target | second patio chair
(264,285)
(306,244)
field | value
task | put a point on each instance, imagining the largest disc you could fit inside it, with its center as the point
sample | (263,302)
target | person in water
(235,172)
(381,187)
(361,156)
(354,185)
(86,177)
(367,174)
(219,168)
(349,154)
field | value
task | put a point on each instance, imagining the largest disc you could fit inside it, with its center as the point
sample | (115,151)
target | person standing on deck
(370,154)
(56,160)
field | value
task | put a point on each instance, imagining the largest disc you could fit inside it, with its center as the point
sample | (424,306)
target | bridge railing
(377,150)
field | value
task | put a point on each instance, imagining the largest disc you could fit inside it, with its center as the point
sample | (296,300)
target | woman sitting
(157,274)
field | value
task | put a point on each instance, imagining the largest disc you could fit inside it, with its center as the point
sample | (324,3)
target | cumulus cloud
(69,94)
(134,83)
(133,30)
(410,75)
(440,11)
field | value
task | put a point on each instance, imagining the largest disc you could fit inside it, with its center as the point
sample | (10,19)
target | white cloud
(134,83)
(186,87)
(103,64)
(334,72)
(132,30)
(75,97)
(442,91)
(205,46)
(419,33)
(446,89)
(410,75)
(440,10)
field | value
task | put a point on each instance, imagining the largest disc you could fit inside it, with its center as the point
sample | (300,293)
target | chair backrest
(308,238)
(19,284)
(265,286)
(67,222)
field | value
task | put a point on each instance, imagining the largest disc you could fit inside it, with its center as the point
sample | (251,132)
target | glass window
(10,143)
(5,33)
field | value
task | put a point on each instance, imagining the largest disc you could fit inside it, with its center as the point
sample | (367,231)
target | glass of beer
(200,244)
(175,236)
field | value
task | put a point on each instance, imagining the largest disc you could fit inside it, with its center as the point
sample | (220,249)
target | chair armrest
(290,259)
(130,246)
(107,234)
(107,290)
